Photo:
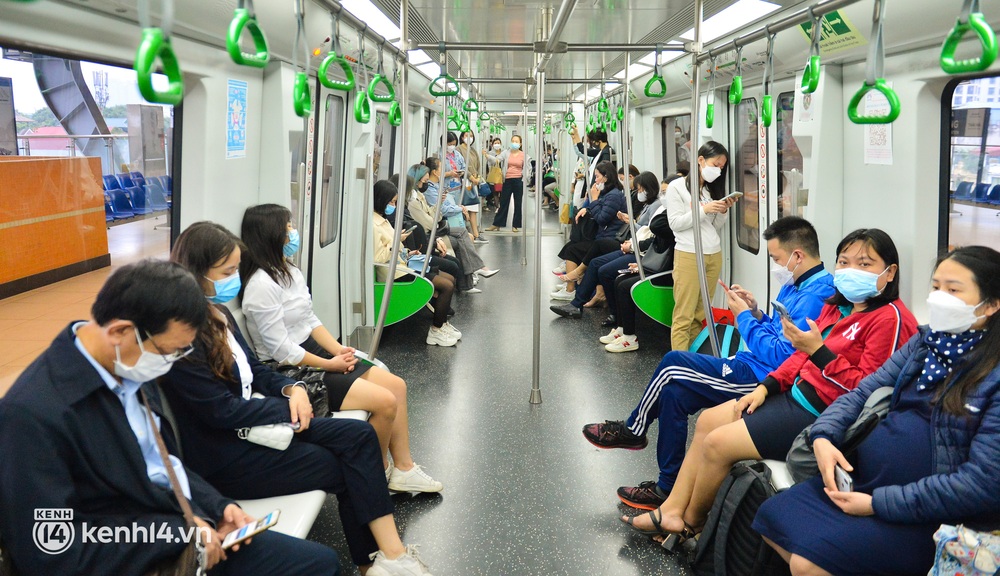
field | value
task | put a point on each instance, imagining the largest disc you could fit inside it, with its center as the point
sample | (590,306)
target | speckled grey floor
(524,494)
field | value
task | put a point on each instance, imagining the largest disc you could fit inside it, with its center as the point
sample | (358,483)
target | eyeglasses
(169,358)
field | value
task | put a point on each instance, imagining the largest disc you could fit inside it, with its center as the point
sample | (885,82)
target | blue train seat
(121,204)
(964,191)
(111,183)
(981,191)
(135,175)
(109,209)
(154,194)
(140,204)
(993,196)
(125,180)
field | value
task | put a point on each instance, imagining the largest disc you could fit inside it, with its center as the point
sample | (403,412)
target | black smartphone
(782,311)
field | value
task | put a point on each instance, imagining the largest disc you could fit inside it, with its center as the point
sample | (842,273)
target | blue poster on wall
(236,119)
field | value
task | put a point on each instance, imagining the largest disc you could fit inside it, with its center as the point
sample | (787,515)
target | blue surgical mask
(857,285)
(225,289)
(515,145)
(292,246)
(390,210)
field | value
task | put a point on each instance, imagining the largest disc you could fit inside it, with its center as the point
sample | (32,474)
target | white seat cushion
(298,511)
(362,415)
(780,478)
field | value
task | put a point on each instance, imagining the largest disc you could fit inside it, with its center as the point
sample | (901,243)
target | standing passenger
(472,177)
(513,162)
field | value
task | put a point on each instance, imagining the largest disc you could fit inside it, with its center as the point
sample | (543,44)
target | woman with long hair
(513,164)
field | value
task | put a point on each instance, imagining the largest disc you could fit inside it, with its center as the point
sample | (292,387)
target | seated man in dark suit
(75,440)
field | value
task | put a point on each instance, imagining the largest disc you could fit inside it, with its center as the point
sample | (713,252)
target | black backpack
(728,545)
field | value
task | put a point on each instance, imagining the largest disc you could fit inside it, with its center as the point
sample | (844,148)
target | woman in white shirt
(283,327)
(713,160)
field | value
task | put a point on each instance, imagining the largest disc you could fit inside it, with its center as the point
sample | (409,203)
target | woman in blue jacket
(935,457)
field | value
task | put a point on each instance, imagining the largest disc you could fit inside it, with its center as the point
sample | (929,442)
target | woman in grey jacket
(935,457)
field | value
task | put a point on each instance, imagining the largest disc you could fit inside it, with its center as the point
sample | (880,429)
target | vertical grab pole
(536,314)
(404,127)
(626,161)
(524,170)
(441,163)
(695,175)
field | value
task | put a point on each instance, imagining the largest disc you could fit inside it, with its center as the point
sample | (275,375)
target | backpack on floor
(728,545)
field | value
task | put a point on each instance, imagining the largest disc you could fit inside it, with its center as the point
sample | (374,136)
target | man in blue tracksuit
(686,382)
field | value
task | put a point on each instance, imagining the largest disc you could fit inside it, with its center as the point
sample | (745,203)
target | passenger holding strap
(874,79)
(971,19)
(156,44)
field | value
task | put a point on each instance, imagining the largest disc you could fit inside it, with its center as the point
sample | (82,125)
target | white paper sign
(878,137)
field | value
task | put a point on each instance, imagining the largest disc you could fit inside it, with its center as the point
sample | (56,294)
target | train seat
(121,205)
(657,302)
(154,194)
(140,204)
(135,175)
(980,193)
(111,183)
(780,478)
(963,191)
(407,297)
(298,511)
(993,196)
(109,209)
(125,181)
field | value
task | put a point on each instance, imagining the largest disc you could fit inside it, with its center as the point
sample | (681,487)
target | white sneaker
(475,280)
(625,343)
(563,295)
(560,269)
(440,337)
(615,334)
(413,480)
(559,287)
(451,329)
(409,564)
(486,272)
(473,291)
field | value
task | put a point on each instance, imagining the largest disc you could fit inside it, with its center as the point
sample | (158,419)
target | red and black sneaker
(645,496)
(613,434)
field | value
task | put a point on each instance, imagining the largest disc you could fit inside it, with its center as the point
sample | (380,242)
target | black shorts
(775,424)
(337,384)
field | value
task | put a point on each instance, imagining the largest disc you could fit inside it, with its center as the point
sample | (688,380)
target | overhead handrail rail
(336,56)
(657,78)
(301,98)
(381,78)
(875,77)
(810,76)
(245,18)
(736,87)
(155,44)
(362,107)
(710,105)
(767,102)
(970,20)
(449,86)
(395,114)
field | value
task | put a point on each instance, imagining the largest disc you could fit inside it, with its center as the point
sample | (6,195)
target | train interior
(524,493)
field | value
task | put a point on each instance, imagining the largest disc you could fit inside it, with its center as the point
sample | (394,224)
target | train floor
(524,492)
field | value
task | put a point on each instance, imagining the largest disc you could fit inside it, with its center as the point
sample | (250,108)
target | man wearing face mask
(686,382)
(598,150)
(93,450)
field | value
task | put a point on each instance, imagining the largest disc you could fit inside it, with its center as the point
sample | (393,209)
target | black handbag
(624,233)
(314,383)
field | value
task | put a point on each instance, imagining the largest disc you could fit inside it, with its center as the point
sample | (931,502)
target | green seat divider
(657,302)
(243,20)
(154,45)
(407,298)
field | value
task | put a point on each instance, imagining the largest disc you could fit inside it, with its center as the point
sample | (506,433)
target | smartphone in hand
(250,530)
(782,311)
(844,481)
(734,196)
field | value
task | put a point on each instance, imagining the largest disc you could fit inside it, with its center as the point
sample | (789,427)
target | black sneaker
(645,496)
(613,434)
(567,311)
(610,321)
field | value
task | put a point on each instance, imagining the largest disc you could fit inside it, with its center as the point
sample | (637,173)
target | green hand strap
(395,116)
(449,86)
(301,99)
(767,110)
(974,21)
(890,95)
(710,115)
(471,105)
(384,81)
(154,45)
(362,107)
(243,19)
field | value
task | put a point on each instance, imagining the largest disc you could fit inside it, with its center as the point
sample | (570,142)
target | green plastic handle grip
(890,95)
(569,118)
(987,38)
(613,126)
(621,113)
(736,90)
(710,115)
(450,87)
(242,20)
(767,110)
(395,116)
(810,76)
(301,99)
(342,85)
(661,87)
(454,123)
(384,81)
(471,105)
(362,108)
(602,105)
(153,46)
(485,116)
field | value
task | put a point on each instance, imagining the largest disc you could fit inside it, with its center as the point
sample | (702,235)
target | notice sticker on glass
(878,137)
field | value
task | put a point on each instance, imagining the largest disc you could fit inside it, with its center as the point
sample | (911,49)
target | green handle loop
(661,85)
(463,126)
(471,105)
(621,112)
(301,99)
(548,129)
(569,118)
(362,108)
(710,115)
(736,90)
(988,40)
(453,113)
(153,46)
(383,80)
(485,116)
(810,76)
(395,116)
(243,20)
(607,116)
(890,95)
(767,110)
(342,85)
(602,105)
(450,86)
(454,124)
(613,126)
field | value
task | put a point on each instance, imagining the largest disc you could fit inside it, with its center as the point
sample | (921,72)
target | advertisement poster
(236,119)
(8,127)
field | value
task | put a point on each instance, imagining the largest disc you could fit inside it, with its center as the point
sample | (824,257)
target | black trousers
(340,456)
(511,187)
(276,554)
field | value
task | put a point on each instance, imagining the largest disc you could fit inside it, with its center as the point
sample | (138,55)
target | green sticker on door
(838,33)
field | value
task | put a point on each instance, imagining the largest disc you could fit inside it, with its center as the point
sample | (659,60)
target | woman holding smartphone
(689,312)
(933,458)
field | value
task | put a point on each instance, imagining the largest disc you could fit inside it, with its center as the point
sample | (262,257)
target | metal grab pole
(695,175)
(402,193)
(525,166)
(536,313)
(626,162)
(440,183)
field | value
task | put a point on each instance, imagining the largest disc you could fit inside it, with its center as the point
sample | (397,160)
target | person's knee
(799,566)
(384,404)
(396,385)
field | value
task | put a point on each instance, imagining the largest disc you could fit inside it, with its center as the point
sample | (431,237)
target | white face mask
(781,274)
(497,147)
(600,185)
(451,149)
(950,314)
(149,366)
(710,173)
(468,141)
(641,196)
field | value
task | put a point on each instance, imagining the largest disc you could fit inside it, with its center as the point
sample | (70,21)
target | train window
(971,190)
(333,174)
(744,164)
(676,142)
(791,196)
